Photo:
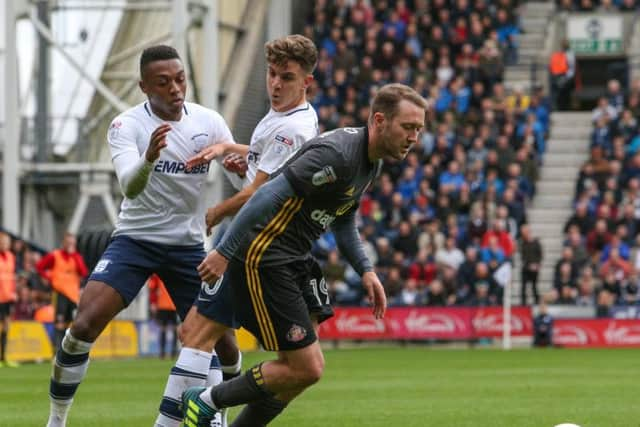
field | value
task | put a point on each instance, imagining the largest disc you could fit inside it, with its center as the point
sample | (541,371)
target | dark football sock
(242,389)
(259,413)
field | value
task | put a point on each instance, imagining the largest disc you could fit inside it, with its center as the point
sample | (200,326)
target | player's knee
(200,333)
(83,329)
(312,372)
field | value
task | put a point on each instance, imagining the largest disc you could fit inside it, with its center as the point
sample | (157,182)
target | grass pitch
(382,387)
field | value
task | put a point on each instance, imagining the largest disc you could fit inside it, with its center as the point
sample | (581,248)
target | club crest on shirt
(114,129)
(296,333)
(324,176)
(200,140)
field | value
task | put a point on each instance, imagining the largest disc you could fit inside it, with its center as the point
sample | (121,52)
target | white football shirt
(170,209)
(278,136)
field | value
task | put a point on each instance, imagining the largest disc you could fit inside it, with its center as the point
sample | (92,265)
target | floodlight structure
(22,180)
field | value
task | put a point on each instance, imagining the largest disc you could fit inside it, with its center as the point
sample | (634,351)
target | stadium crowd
(439,224)
(597,5)
(600,260)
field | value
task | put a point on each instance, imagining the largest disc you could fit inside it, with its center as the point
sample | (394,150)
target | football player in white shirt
(290,122)
(161,221)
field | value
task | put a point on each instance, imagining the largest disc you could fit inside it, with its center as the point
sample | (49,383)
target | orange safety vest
(164,301)
(558,64)
(7,277)
(44,314)
(64,276)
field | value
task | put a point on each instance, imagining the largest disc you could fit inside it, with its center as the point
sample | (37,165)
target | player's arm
(132,169)
(233,204)
(349,243)
(263,206)
(217,150)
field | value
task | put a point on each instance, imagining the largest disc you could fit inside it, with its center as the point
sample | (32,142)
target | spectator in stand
(598,238)
(581,219)
(616,266)
(64,269)
(164,312)
(586,292)
(503,239)
(450,256)
(531,253)
(486,291)
(7,294)
(604,110)
(562,68)
(436,295)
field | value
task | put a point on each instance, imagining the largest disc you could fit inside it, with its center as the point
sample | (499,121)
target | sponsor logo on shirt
(253,156)
(324,176)
(322,217)
(174,168)
(284,140)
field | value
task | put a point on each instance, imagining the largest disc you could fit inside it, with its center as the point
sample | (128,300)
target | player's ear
(379,118)
(143,86)
(307,80)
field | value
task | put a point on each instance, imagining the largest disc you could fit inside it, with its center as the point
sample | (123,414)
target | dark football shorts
(127,263)
(5,309)
(276,303)
(64,307)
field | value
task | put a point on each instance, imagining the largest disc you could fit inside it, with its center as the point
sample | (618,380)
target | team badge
(324,176)
(114,129)
(296,333)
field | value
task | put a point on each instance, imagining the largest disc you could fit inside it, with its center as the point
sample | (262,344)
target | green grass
(415,386)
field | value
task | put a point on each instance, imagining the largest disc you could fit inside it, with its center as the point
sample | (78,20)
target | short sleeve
(221,131)
(121,136)
(282,145)
(316,170)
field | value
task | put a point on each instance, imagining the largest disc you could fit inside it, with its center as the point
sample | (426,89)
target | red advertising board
(596,333)
(489,321)
(455,323)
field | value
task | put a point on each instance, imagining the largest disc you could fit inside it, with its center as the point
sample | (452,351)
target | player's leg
(198,334)
(98,305)
(163,333)
(61,308)
(114,283)
(269,303)
(4,331)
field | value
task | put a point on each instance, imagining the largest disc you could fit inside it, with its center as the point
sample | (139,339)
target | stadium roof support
(10,179)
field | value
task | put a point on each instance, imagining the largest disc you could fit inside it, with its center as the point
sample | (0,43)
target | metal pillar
(209,88)
(11,159)
(42,98)
(279,23)
(180,23)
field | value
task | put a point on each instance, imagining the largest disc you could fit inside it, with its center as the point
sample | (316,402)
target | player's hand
(213,218)
(206,155)
(212,267)
(375,293)
(157,142)
(235,163)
